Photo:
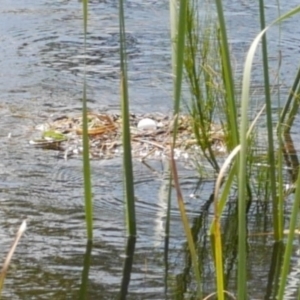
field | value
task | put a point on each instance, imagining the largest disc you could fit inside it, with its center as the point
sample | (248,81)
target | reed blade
(88,200)
(127,157)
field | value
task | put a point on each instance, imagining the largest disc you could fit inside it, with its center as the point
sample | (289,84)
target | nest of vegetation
(151,136)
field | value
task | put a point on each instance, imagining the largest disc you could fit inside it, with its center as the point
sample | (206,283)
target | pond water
(41,72)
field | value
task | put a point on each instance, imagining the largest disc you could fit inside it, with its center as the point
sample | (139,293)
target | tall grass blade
(127,158)
(242,182)
(277,220)
(9,256)
(228,77)
(86,153)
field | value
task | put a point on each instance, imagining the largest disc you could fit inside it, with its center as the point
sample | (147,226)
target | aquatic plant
(205,58)
(85,137)
(240,147)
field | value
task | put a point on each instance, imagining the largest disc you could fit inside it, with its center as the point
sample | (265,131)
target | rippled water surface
(41,68)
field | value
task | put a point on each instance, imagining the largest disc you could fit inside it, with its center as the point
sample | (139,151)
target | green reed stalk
(242,182)
(277,223)
(173,36)
(127,158)
(228,78)
(86,153)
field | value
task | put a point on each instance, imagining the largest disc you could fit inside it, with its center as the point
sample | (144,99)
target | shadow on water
(127,267)
(84,287)
(83,292)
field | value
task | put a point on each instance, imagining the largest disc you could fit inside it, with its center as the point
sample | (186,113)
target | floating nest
(151,136)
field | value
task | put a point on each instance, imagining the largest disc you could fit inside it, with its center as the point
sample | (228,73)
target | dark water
(41,72)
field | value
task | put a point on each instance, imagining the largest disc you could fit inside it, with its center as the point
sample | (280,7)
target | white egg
(147,124)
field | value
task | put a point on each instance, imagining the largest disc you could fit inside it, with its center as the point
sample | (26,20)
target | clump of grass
(202,66)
